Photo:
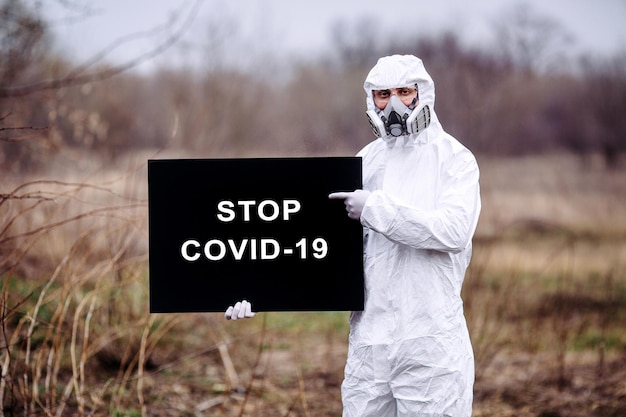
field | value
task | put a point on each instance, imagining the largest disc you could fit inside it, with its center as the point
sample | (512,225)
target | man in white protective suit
(409,350)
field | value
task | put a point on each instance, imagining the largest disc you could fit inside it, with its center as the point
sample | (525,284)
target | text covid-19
(217,249)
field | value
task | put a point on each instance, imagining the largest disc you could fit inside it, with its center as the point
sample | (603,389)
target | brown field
(545,300)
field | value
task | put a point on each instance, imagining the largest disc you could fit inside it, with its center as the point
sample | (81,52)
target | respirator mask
(396,119)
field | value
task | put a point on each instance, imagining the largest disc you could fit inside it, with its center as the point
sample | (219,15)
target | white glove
(354,201)
(241,310)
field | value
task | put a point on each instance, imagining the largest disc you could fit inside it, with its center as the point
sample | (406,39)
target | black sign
(264,230)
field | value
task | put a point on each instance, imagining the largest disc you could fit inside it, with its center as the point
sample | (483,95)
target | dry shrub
(74,281)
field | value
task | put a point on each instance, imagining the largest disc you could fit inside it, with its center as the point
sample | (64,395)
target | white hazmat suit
(410,353)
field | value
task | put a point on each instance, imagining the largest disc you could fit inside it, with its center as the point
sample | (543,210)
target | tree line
(511,100)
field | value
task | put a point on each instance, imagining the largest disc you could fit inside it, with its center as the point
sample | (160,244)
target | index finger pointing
(338,196)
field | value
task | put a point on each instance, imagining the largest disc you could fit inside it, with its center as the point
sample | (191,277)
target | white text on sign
(228,211)
(251,249)
(266,210)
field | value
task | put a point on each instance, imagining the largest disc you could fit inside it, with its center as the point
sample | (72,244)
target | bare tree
(605,94)
(34,82)
(356,45)
(530,41)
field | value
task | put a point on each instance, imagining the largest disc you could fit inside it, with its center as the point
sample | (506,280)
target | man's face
(405,94)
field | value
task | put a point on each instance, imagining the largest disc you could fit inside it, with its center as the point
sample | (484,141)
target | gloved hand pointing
(241,310)
(354,201)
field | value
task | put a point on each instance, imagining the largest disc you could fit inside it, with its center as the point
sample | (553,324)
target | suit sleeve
(448,228)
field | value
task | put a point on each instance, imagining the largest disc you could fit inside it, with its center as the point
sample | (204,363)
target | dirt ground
(302,377)
(537,386)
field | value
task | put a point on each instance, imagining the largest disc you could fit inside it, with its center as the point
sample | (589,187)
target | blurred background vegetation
(545,295)
(525,95)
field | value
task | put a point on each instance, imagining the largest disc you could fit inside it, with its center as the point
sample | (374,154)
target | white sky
(304,27)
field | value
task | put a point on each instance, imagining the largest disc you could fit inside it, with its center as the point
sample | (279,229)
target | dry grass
(546,291)
(545,301)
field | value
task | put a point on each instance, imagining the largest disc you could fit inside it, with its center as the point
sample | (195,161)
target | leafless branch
(31,132)
(77,77)
(51,226)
